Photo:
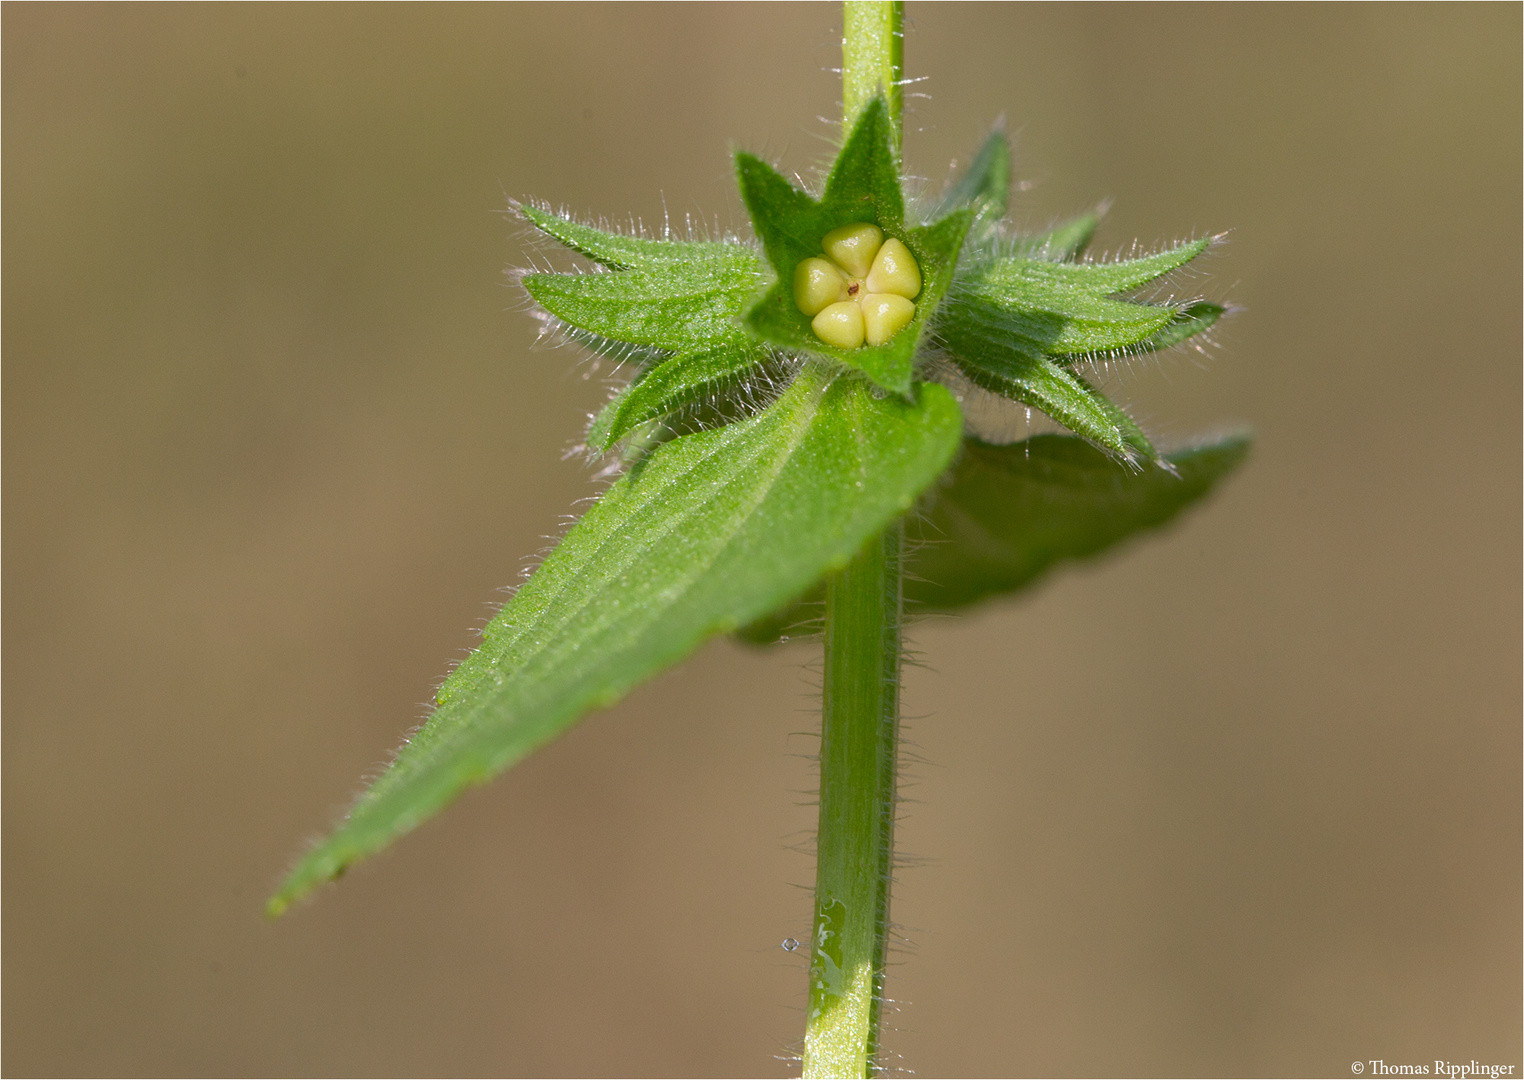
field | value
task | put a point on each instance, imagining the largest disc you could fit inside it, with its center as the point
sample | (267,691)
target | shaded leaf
(1012,321)
(716,529)
(1009,514)
(1051,321)
(1063,308)
(684,380)
(1003,364)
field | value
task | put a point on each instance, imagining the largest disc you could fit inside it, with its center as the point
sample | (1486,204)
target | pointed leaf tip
(985,185)
(716,529)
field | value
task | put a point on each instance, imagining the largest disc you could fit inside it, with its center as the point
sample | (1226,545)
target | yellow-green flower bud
(863,290)
(884,315)
(840,325)
(852,247)
(817,285)
(894,271)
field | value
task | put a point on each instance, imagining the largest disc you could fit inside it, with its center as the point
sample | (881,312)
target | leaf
(598,437)
(681,305)
(1007,515)
(615,251)
(986,184)
(1011,320)
(1010,513)
(716,529)
(1132,434)
(686,379)
(863,186)
(671,307)
(1053,321)
(1187,323)
(1064,241)
(1062,308)
(1095,278)
(866,174)
(1004,364)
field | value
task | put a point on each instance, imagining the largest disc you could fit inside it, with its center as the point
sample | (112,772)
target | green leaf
(1132,434)
(1063,309)
(986,184)
(682,305)
(1064,241)
(686,379)
(1092,278)
(1009,514)
(1187,323)
(1004,364)
(1053,321)
(863,186)
(598,437)
(717,528)
(1011,321)
(866,174)
(613,250)
(672,307)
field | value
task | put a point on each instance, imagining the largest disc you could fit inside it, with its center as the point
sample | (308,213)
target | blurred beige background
(1242,800)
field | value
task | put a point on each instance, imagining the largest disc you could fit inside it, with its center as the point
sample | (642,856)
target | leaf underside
(718,528)
(1010,513)
(1007,515)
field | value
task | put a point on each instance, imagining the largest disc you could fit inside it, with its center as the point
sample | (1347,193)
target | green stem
(873,58)
(858,759)
(859,738)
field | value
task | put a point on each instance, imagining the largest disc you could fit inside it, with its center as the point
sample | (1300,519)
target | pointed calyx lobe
(863,189)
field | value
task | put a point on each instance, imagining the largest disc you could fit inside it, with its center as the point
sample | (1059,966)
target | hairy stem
(873,58)
(858,758)
(859,743)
